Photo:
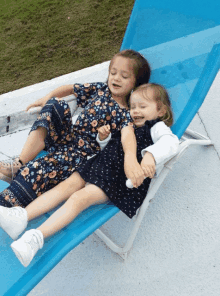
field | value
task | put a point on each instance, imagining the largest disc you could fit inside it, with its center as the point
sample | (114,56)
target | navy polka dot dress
(106,170)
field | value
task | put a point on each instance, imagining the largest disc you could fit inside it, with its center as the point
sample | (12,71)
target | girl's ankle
(21,162)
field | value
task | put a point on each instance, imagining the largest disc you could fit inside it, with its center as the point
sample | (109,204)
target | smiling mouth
(138,117)
(115,85)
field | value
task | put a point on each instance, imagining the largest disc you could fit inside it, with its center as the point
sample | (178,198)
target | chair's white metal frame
(196,139)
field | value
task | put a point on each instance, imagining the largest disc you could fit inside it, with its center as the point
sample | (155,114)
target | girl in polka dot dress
(151,113)
(69,145)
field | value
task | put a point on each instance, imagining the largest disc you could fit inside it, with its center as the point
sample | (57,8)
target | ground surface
(40,40)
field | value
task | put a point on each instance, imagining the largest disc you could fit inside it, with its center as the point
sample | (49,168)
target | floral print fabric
(67,145)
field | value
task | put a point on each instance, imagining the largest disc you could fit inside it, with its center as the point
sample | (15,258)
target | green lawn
(42,39)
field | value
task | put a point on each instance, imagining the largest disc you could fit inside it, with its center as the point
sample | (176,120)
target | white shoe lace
(16,211)
(11,161)
(34,241)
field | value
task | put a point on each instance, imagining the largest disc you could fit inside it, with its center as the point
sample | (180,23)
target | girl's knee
(80,200)
(75,180)
(60,104)
(39,133)
(89,195)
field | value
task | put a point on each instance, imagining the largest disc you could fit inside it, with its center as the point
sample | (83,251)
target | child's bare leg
(77,202)
(33,145)
(14,220)
(52,198)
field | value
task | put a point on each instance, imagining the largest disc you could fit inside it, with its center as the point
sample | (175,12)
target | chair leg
(115,248)
(123,251)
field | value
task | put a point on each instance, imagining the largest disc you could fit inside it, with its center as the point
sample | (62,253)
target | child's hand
(38,103)
(133,171)
(148,165)
(103,132)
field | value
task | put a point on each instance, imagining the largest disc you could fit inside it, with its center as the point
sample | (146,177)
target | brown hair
(141,66)
(162,99)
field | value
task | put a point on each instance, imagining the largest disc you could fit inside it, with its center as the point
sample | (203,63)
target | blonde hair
(162,99)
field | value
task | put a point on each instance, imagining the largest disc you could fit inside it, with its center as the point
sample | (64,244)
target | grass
(40,40)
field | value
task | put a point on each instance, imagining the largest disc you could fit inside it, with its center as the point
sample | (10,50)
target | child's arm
(165,146)
(103,136)
(82,92)
(132,168)
(148,165)
(103,132)
(59,92)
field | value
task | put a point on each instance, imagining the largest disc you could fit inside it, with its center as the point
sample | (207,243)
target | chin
(139,124)
(115,93)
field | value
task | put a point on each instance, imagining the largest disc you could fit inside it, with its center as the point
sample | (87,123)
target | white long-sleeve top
(165,145)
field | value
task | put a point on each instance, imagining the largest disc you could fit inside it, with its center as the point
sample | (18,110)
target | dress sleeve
(86,91)
(126,121)
(165,146)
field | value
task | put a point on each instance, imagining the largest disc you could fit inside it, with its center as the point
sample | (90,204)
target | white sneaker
(13,220)
(26,247)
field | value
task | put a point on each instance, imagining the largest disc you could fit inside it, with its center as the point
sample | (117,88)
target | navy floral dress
(106,170)
(67,145)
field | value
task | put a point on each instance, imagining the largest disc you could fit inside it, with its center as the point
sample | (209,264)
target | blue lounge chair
(185,63)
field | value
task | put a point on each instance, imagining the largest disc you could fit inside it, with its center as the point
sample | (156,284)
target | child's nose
(117,77)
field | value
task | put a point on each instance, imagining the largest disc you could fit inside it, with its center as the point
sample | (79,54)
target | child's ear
(162,111)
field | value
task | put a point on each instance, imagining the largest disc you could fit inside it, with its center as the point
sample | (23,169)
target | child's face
(121,79)
(143,108)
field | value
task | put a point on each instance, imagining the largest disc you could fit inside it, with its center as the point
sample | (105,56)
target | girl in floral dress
(69,145)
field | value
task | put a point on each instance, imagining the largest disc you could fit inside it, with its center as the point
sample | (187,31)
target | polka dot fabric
(106,170)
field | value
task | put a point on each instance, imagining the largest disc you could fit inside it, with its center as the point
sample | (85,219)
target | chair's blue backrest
(177,38)
(154,22)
